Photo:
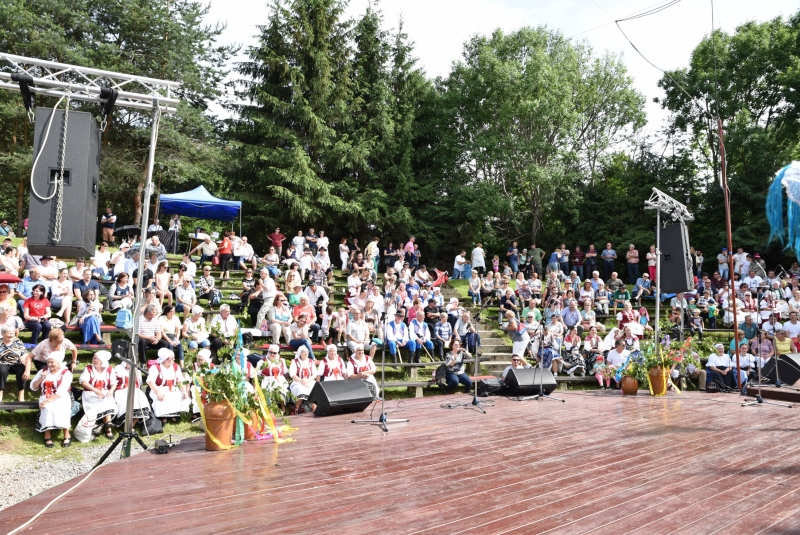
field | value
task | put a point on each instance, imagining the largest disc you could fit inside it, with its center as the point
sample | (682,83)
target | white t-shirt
(478,258)
(617,359)
(459,262)
(792,329)
(100,259)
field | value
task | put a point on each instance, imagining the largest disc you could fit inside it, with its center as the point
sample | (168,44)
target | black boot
(416,355)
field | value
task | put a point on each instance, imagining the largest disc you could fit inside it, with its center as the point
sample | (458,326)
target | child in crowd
(338,326)
(601,372)
(496,263)
(696,324)
(602,298)
(325,328)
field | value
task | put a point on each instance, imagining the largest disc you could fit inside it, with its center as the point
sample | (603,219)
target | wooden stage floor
(599,463)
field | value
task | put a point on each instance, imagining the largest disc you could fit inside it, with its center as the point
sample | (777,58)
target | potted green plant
(632,375)
(223,391)
(658,359)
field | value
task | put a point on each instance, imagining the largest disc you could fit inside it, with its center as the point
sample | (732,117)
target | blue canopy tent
(200,204)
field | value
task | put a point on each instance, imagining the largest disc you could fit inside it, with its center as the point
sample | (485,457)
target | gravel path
(23,477)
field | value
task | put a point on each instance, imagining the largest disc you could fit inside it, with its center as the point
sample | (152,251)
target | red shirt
(276,238)
(225,246)
(309,312)
(37,308)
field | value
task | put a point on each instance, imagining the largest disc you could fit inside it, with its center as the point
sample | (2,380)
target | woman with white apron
(362,367)
(303,372)
(99,382)
(141,407)
(273,371)
(55,402)
(167,391)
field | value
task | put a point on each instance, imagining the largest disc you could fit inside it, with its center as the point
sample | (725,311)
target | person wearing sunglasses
(517,363)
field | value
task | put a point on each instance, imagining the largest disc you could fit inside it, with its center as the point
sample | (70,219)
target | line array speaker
(676,267)
(788,369)
(525,381)
(338,397)
(81,184)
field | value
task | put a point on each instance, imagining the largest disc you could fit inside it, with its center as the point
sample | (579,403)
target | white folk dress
(273,375)
(332,370)
(56,414)
(169,381)
(95,407)
(304,369)
(141,407)
(360,366)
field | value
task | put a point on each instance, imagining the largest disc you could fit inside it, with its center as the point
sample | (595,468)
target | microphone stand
(541,394)
(382,420)
(758,399)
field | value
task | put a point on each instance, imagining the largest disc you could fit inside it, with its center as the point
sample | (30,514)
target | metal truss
(664,203)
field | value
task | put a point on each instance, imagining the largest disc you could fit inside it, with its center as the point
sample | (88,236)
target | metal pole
(148,190)
(724,182)
(658,273)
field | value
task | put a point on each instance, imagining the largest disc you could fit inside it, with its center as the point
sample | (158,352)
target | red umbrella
(8,278)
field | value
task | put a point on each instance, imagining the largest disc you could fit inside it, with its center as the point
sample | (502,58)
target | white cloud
(439,28)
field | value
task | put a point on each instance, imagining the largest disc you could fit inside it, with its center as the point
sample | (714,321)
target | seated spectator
(465,331)
(244,256)
(303,372)
(100,261)
(629,317)
(643,287)
(162,283)
(280,321)
(621,296)
(443,334)
(208,250)
(617,357)
(141,407)
(272,261)
(696,325)
(150,335)
(589,318)
(763,349)
(311,315)
(99,381)
(420,334)
(8,318)
(90,318)
(61,296)
(398,337)
(222,329)
(456,368)
(602,298)
(24,289)
(79,288)
(602,372)
(36,313)
(55,403)
(205,284)
(120,295)
(12,360)
(274,371)
(167,389)
(185,297)
(593,346)
(300,334)
(361,367)
(172,329)
(508,302)
(720,368)
(517,363)
(614,283)
(783,344)
(194,329)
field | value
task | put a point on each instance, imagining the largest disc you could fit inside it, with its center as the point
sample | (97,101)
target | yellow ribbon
(267,416)
(205,425)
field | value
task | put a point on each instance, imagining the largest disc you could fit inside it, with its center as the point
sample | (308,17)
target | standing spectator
(652,260)
(373,253)
(344,253)
(609,257)
(513,257)
(299,241)
(578,258)
(740,264)
(174,233)
(458,265)
(478,257)
(632,258)
(108,221)
(554,264)
(564,262)
(277,240)
(311,240)
(389,256)
(225,255)
(537,255)
(723,264)
(698,263)
(590,263)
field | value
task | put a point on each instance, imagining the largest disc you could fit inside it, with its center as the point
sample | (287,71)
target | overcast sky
(439,28)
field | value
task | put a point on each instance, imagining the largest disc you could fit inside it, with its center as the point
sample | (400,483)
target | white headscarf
(57,356)
(301,349)
(164,354)
(331,346)
(204,355)
(104,357)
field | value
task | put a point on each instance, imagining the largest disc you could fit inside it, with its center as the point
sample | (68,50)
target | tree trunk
(137,201)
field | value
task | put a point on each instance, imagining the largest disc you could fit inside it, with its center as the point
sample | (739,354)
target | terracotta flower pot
(658,381)
(629,386)
(220,420)
(255,423)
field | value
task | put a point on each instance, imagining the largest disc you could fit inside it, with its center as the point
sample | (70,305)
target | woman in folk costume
(332,367)
(99,383)
(361,367)
(141,406)
(203,360)
(273,372)
(55,401)
(167,389)
(303,372)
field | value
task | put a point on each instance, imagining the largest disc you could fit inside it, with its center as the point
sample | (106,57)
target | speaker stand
(758,399)
(382,420)
(541,394)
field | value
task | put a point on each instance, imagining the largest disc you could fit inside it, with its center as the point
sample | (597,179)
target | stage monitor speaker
(676,268)
(525,381)
(81,184)
(338,397)
(788,369)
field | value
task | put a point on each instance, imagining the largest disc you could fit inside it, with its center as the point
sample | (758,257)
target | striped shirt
(149,328)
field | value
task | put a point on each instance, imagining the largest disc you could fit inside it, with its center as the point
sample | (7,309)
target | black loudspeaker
(526,381)
(788,369)
(81,184)
(676,267)
(338,397)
